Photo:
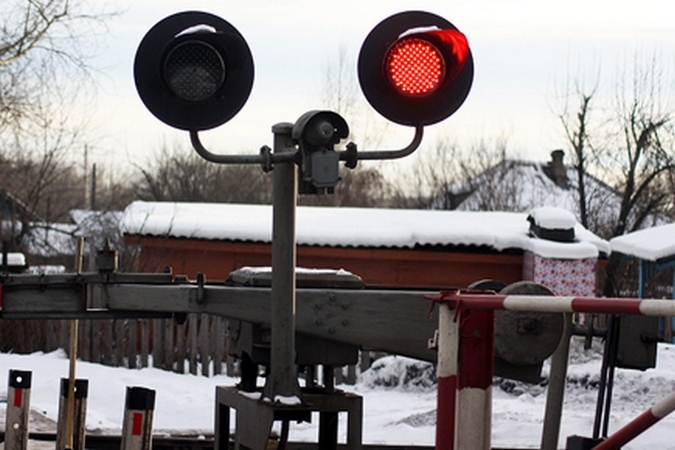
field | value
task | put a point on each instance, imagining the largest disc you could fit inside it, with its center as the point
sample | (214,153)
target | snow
(399,399)
(525,185)
(553,218)
(16,259)
(355,227)
(651,244)
(285,400)
(48,240)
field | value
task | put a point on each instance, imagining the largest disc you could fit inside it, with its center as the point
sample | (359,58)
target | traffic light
(415,68)
(193,71)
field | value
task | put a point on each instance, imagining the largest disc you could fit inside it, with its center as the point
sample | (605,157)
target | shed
(655,249)
(385,247)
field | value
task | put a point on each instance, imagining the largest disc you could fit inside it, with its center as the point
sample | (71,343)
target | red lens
(415,66)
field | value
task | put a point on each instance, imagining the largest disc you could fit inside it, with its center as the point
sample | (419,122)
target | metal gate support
(254,418)
(464,302)
(79,411)
(18,409)
(138,414)
(465,369)
(446,371)
(557,384)
(475,368)
(639,424)
(282,380)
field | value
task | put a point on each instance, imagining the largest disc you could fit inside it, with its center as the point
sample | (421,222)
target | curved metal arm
(237,159)
(391,154)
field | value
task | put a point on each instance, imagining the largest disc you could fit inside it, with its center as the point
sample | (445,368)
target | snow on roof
(523,186)
(553,218)
(50,239)
(16,259)
(651,243)
(355,227)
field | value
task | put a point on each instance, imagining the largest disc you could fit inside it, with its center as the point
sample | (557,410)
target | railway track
(112,442)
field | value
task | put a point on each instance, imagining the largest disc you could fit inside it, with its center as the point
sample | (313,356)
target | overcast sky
(525,52)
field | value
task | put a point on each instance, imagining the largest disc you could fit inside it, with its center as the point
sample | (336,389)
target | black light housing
(194,71)
(415,68)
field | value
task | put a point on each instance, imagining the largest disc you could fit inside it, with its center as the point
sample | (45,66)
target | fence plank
(157,342)
(180,347)
(199,341)
(120,342)
(169,349)
(218,338)
(132,351)
(107,343)
(204,347)
(192,338)
(145,342)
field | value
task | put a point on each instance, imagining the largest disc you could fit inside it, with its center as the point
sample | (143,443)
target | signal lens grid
(415,67)
(194,71)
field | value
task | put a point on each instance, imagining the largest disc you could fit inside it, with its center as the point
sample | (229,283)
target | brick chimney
(556,169)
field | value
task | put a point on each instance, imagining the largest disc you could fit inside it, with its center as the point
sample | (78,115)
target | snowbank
(399,399)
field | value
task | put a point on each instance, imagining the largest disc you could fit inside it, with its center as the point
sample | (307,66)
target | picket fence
(196,345)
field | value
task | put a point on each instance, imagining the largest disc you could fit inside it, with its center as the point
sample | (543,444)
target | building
(515,185)
(385,247)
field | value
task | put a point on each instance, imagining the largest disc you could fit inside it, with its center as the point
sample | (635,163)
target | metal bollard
(79,414)
(18,408)
(138,413)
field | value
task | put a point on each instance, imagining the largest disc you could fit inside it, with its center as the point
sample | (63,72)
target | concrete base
(254,417)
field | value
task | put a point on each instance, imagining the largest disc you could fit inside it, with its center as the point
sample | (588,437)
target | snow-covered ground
(399,399)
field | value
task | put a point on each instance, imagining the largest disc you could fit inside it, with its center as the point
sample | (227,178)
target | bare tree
(578,138)
(634,154)
(339,91)
(44,49)
(181,175)
(44,75)
(445,176)
(360,187)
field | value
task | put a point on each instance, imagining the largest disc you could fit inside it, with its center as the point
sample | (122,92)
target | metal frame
(463,302)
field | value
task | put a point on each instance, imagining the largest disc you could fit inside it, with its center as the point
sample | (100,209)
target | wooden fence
(196,345)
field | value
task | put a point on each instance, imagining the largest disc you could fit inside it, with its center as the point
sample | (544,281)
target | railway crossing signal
(194,71)
(415,68)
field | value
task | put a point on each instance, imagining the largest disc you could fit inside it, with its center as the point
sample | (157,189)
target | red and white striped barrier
(639,424)
(537,303)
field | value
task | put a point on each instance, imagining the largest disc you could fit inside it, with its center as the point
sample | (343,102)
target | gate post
(79,413)
(446,371)
(18,409)
(138,414)
(465,370)
(474,379)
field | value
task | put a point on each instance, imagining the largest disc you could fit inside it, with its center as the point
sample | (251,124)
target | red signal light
(415,68)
